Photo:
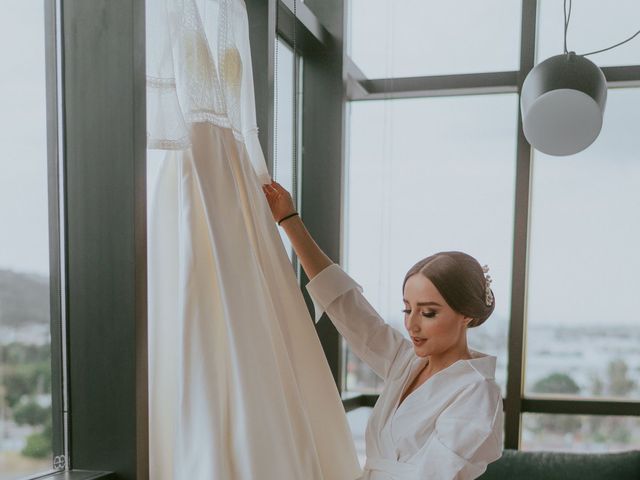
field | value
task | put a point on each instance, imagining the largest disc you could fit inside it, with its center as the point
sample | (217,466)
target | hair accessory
(488,294)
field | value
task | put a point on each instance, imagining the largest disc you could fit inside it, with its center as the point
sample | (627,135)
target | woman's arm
(311,256)
(373,341)
(467,435)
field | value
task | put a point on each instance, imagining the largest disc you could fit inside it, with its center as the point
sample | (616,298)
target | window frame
(97,237)
(361,88)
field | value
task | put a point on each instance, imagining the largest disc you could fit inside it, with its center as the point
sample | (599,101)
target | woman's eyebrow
(423,303)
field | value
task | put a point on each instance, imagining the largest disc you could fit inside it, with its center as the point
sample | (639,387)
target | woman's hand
(311,257)
(279,200)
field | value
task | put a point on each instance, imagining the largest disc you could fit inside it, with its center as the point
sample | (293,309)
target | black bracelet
(288,216)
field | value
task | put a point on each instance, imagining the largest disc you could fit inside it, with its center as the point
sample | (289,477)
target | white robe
(449,428)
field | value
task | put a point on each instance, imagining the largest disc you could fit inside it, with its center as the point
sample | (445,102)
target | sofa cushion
(524,465)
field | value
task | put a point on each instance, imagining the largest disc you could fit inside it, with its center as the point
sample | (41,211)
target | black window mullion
(104,182)
(323,155)
(262,35)
(515,363)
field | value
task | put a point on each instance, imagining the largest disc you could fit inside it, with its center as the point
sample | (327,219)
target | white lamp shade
(562,103)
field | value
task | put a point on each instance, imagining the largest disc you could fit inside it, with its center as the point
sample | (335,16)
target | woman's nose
(412,323)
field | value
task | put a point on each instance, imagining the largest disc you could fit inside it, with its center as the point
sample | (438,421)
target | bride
(440,413)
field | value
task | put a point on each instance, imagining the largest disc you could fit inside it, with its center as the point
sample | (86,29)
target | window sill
(79,475)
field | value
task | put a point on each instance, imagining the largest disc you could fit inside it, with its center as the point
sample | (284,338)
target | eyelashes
(428,315)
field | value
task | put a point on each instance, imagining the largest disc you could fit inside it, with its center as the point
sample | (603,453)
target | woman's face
(427,316)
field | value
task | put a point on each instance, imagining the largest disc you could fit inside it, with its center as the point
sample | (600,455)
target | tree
(563,384)
(31,413)
(556,383)
(597,385)
(619,383)
(596,422)
(27,379)
(40,444)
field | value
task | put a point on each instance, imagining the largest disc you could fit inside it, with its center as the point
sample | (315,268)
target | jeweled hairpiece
(488,294)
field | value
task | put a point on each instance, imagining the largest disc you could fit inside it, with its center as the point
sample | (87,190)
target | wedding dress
(239,387)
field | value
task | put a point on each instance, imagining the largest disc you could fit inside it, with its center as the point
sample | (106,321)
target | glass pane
(583,326)
(25,343)
(428,175)
(358,419)
(418,38)
(615,22)
(579,433)
(283,131)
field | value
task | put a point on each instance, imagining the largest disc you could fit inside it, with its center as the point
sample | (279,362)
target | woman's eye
(428,314)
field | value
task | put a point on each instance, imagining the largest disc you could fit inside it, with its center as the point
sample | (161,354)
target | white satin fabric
(449,428)
(239,387)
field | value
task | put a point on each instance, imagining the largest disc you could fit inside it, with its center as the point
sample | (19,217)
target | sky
(402,38)
(424,174)
(23,164)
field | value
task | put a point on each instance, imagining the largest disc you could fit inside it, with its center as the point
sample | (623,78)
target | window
(418,38)
(427,175)
(583,324)
(358,424)
(615,22)
(580,433)
(26,417)
(285,171)
(104,219)
(564,261)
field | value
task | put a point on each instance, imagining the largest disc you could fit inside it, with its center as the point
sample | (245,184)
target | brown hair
(460,280)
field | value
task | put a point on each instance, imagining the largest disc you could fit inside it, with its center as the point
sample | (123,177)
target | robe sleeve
(371,339)
(467,435)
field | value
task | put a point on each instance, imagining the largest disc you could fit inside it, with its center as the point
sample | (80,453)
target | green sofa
(522,465)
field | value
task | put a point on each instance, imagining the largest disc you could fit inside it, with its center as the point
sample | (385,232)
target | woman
(439,416)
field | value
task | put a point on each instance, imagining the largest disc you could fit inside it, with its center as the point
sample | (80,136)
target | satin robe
(449,428)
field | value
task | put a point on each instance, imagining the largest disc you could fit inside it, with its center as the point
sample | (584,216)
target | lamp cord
(566,23)
(566,26)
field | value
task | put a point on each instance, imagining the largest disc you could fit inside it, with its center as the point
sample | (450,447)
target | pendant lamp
(563,98)
(562,101)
